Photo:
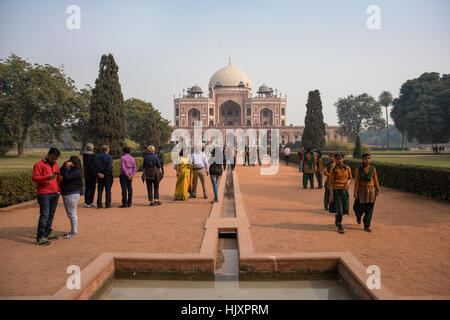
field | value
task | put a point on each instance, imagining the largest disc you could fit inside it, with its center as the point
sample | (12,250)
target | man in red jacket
(48,184)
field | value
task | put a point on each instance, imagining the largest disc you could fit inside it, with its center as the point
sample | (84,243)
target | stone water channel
(227,284)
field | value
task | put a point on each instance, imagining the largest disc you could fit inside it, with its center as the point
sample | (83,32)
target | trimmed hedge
(428,181)
(17,186)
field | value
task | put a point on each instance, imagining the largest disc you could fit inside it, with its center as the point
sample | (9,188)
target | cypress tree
(357,152)
(107,124)
(314,132)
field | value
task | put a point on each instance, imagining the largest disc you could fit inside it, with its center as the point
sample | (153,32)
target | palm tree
(385,99)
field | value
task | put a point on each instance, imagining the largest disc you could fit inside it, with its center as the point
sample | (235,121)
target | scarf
(366,176)
(310,161)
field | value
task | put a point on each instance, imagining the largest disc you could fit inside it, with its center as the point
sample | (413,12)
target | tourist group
(74,179)
(338,179)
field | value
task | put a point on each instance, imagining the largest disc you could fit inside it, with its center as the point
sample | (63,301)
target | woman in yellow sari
(184,177)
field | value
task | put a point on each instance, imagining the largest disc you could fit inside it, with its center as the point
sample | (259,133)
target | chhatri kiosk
(230,104)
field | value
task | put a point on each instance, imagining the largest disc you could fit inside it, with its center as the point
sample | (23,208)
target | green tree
(79,123)
(314,132)
(358,113)
(386,99)
(378,138)
(422,110)
(145,124)
(32,96)
(358,149)
(107,122)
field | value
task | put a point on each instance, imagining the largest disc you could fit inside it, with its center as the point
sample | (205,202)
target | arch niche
(230,113)
(266,117)
(193,115)
(285,138)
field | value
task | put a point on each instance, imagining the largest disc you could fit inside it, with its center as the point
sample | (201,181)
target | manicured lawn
(10,162)
(433,161)
(392,153)
(409,158)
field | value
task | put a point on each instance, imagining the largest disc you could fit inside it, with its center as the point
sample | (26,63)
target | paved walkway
(173,227)
(410,241)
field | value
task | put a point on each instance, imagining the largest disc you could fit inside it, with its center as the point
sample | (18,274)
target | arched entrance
(284,138)
(266,117)
(230,113)
(193,115)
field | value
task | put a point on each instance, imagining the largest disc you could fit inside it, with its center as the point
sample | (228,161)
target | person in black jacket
(71,188)
(102,168)
(215,172)
(161,160)
(152,175)
(90,180)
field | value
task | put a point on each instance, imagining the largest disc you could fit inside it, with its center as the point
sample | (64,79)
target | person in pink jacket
(127,171)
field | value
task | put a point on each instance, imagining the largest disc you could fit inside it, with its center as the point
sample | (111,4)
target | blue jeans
(47,209)
(215,181)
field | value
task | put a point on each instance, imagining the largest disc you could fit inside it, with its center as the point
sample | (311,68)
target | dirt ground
(410,241)
(173,227)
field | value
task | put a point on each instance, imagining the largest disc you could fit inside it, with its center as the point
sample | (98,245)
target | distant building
(230,105)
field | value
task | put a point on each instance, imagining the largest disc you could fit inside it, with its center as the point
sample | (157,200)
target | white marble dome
(229,76)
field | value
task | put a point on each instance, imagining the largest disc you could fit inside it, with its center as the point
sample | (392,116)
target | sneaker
(152,204)
(87,205)
(123,206)
(206,197)
(69,235)
(93,205)
(341,230)
(358,219)
(193,197)
(42,242)
(367,229)
(99,206)
(52,236)
(157,203)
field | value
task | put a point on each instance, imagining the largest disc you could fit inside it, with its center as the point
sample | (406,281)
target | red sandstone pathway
(173,227)
(410,241)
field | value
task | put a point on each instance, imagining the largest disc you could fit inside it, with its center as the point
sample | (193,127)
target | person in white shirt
(201,170)
(287,153)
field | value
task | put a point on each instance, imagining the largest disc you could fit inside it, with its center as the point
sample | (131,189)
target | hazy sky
(162,47)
